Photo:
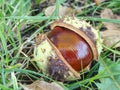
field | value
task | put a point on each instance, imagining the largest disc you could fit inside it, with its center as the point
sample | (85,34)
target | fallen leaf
(49,2)
(108,14)
(63,11)
(42,85)
(112,35)
(98,2)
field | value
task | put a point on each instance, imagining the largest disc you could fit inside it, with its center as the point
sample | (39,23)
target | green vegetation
(18,28)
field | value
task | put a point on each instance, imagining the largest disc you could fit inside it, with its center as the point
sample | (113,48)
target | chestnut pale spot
(81,47)
(74,48)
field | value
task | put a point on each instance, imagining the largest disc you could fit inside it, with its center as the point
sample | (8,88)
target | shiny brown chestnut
(67,49)
(73,47)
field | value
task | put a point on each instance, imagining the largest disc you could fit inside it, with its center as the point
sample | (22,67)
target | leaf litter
(112,35)
(63,11)
(42,85)
(109,70)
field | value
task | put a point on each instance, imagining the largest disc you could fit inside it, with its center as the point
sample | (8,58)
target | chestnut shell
(72,46)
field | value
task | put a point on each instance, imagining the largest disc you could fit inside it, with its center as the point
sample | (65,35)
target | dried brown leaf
(63,11)
(42,85)
(108,14)
(111,37)
(98,1)
(48,2)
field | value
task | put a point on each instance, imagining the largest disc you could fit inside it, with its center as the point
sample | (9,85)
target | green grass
(15,16)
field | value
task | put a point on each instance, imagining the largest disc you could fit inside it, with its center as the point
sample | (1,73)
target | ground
(22,20)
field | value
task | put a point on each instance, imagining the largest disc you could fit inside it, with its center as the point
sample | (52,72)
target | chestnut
(67,49)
